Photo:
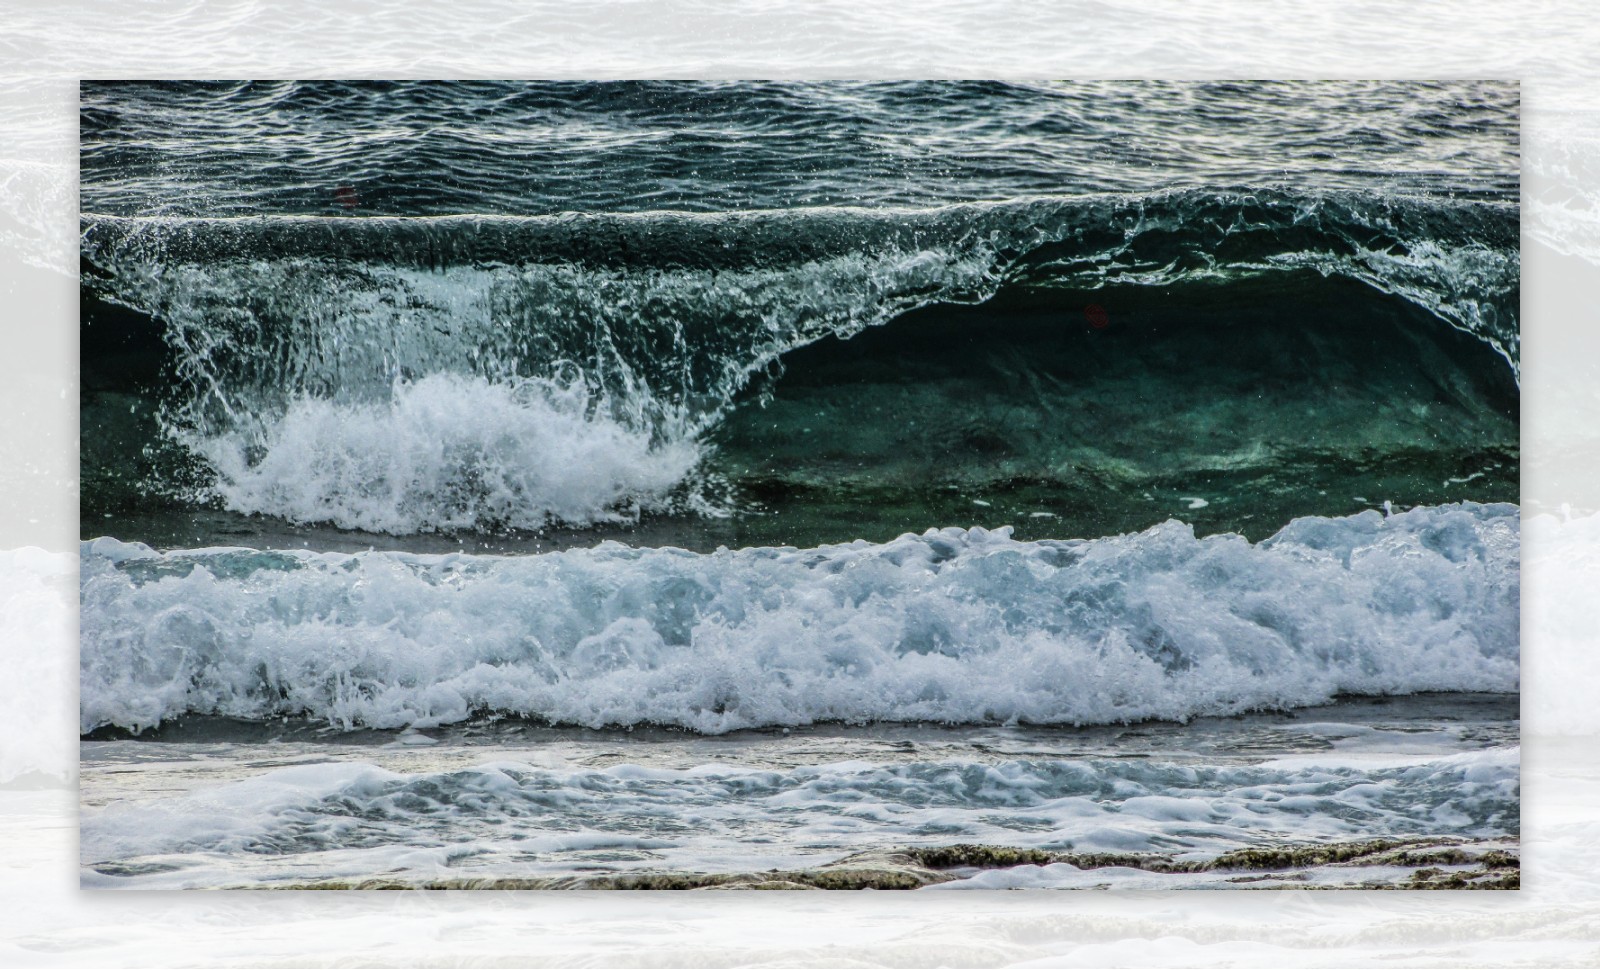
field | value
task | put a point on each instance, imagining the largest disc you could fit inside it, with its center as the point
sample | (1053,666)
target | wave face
(963,626)
(632,338)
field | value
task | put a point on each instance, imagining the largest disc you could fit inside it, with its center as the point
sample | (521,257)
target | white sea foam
(950,626)
(449,452)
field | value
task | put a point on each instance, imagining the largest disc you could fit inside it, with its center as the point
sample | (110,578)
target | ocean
(872,485)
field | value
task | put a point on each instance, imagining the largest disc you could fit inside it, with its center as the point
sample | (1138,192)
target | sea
(881,485)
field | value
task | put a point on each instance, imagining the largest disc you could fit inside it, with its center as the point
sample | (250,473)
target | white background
(1553,47)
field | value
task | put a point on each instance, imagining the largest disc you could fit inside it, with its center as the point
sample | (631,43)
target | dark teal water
(528,148)
(519,316)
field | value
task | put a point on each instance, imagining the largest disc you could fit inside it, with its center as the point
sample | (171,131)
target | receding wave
(650,327)
(950,626)
(508,816)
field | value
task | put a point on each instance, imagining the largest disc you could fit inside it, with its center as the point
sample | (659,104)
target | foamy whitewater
(924,485)
(954,626)
(450,453)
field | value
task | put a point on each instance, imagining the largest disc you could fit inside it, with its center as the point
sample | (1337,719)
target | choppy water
(941,363)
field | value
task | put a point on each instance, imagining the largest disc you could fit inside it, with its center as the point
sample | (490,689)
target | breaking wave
(643,331)
(963,626)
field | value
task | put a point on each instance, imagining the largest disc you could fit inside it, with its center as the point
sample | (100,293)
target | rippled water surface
(394,148)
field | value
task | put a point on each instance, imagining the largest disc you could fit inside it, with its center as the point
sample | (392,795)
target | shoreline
(1417,864)
(1411,792)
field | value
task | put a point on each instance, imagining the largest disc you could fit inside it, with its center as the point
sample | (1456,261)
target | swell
(953,626)
(269,334)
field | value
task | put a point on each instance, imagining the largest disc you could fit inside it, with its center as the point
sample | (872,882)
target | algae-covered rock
(1435,864)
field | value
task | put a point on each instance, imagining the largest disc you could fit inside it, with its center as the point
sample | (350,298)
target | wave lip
(960,626)
(1458,258)
(693,304)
